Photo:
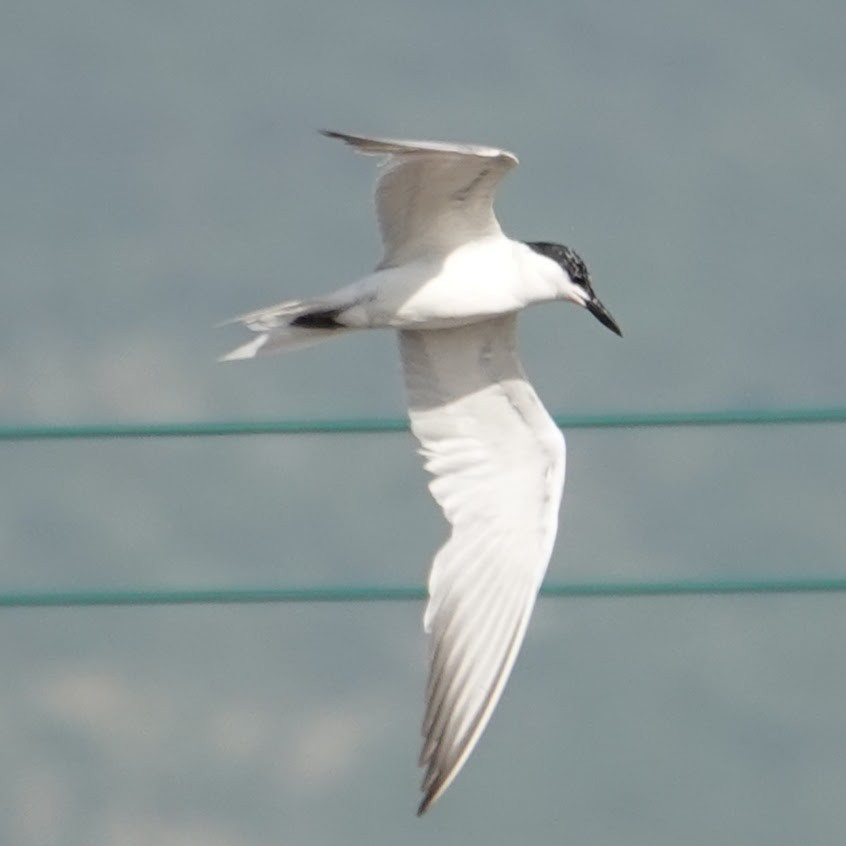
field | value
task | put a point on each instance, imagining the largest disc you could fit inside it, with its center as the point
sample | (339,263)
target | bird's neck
(540,278)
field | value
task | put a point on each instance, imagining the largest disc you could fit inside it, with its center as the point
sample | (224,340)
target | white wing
(497,459)
(432,197)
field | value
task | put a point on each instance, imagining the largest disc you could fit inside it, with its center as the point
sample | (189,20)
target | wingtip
(432,794)
(333,133)
(425,802)
(433,787)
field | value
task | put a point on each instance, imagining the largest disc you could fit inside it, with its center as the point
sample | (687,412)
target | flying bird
(452,283)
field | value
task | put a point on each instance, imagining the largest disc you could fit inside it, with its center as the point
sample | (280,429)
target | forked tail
(291,325)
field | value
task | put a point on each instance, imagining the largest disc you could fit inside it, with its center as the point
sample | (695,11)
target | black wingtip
(432,789)
(332,133)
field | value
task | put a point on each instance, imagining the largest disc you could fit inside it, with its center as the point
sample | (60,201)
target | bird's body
(452,283)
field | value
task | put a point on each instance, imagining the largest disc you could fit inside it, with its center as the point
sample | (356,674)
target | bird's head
(575,282)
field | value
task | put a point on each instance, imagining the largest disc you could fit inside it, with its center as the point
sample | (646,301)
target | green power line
(370,425)
(402,593)
(383,593)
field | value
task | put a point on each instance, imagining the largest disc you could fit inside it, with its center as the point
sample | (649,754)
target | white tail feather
(248,350)
(276,332)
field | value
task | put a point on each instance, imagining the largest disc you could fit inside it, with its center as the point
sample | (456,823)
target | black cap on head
(569,260)
(573,265)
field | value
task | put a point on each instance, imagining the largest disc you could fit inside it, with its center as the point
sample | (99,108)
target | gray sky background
(161,172)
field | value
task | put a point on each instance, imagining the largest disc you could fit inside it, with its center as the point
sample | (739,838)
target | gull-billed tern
(452,283)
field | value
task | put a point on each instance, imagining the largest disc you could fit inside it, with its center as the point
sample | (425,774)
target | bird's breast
(472,283)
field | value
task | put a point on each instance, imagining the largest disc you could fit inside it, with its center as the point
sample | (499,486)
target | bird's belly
(437,306)
(451,294)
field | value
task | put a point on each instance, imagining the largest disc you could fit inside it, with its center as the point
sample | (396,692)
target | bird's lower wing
(497,461)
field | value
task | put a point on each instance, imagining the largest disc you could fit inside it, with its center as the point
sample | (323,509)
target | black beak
(595,307)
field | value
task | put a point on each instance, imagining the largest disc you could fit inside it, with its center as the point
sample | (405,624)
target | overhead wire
(117,597)
(382,425)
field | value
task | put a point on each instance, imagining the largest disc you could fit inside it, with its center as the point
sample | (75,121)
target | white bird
(452,283)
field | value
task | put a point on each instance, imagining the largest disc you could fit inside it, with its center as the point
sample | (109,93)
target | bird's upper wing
(497,461)
(430,196)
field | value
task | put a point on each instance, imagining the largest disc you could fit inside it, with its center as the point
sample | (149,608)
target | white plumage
(452,283)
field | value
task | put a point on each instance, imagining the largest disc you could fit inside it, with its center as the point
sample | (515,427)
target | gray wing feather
(432,196)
